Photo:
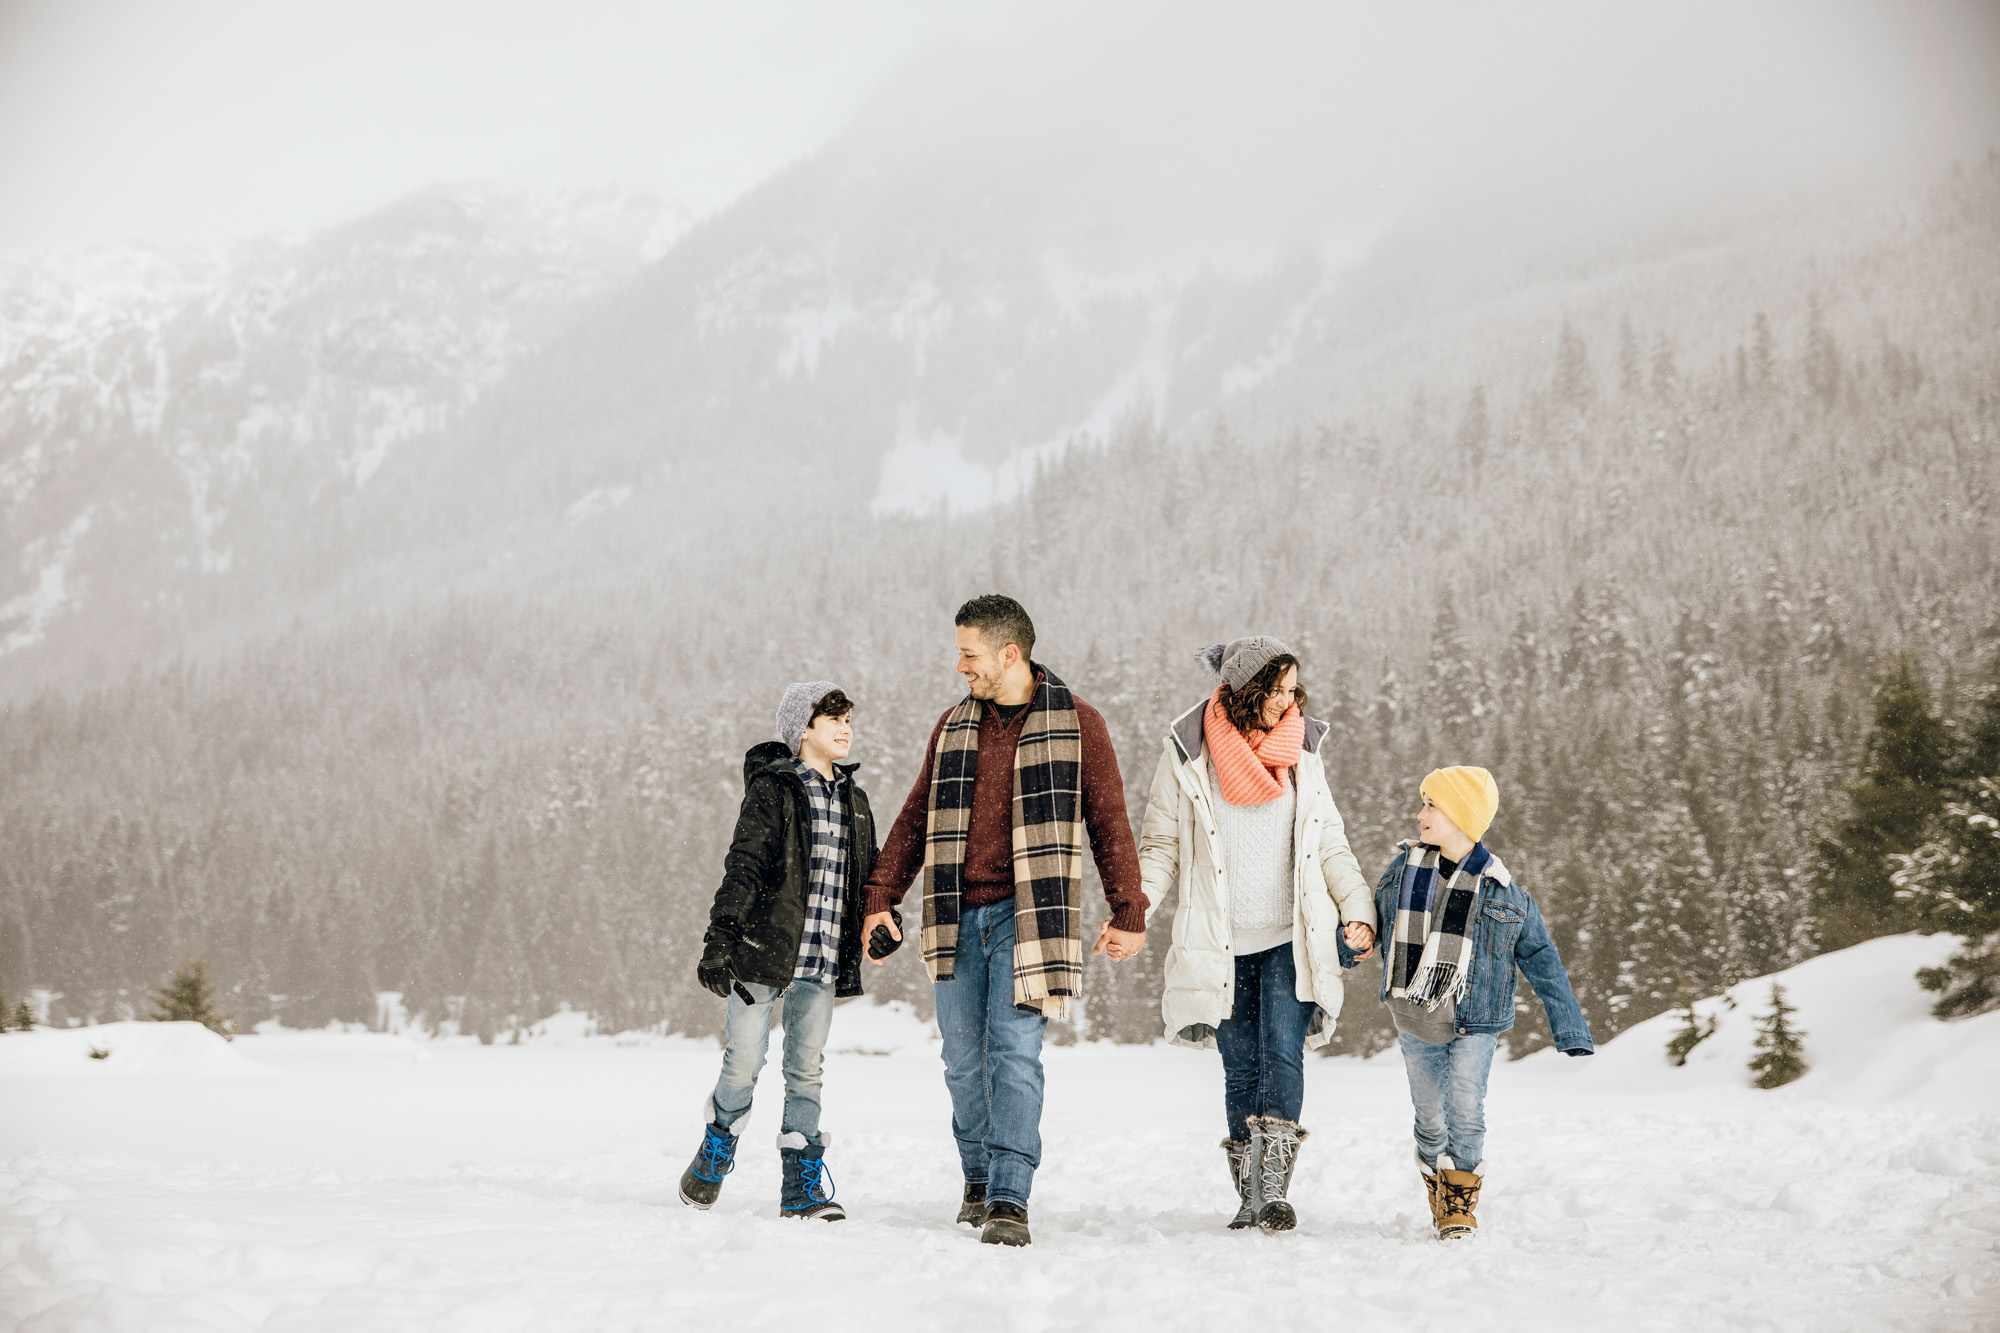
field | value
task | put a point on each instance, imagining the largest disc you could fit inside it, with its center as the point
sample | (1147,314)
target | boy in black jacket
(787,926)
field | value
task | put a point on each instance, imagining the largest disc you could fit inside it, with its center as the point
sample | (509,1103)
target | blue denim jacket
(1511,934)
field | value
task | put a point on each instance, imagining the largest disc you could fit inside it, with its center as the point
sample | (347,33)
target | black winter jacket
(760,910)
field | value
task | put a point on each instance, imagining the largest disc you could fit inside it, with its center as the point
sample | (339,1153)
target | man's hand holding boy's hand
(869,924)
(1360,937)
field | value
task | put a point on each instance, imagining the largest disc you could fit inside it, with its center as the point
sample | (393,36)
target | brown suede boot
(1458,1197)
(1431,1188)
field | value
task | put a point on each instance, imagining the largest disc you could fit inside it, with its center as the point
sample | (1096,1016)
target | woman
(1241,819)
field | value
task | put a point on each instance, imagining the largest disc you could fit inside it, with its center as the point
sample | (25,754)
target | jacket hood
(778,756)
(1186,733)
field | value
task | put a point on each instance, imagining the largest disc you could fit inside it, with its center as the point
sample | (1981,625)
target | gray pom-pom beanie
(1239,660)
(796,709)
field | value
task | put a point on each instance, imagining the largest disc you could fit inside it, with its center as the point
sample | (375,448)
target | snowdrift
(133,1048)
(1869,1035)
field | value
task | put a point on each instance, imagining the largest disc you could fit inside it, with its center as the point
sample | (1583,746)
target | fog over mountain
(1603,390)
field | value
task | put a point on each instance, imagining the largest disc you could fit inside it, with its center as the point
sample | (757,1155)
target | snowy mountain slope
(179,428)
(1869,1036)
(533,1186)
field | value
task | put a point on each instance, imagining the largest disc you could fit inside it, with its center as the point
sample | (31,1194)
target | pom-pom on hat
(1469,797)
(796,709)
(1239,661)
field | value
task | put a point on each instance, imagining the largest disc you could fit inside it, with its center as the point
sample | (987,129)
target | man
(1013,776)
(787,925)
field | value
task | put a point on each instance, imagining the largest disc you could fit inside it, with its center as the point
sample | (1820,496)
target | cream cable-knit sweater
(1256,854)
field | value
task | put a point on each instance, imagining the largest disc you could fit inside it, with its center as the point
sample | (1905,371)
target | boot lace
(1280,1150)
(717,1157)
(814,1176)
(1458,1198)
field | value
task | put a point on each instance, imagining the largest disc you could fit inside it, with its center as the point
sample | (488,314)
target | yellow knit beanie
(1468,796)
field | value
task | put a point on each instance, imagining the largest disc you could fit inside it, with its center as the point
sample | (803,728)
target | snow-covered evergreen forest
(1643,537)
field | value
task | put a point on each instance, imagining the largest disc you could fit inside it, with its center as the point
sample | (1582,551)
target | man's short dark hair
(832,704)
(1000,621)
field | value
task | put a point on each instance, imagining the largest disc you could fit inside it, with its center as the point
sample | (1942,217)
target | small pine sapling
(1780,1057)
(189,997)
(24,1017)
(1693,1031)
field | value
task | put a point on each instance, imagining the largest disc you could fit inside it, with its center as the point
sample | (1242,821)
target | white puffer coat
(1177,848)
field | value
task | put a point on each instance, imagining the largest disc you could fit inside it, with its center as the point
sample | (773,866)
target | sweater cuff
(880,900)
(1129,916)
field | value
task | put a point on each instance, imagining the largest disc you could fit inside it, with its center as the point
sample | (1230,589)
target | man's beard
(979,687)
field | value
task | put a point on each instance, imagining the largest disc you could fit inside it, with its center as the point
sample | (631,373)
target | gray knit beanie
(1239,661)
(796,709)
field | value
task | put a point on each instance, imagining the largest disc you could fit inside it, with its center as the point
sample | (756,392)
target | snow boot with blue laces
(716,1158)
(807,1190)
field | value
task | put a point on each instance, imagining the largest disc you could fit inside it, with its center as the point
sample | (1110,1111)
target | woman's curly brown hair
(1245,707)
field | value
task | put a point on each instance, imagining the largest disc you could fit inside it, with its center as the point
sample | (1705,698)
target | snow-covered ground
(321,1181)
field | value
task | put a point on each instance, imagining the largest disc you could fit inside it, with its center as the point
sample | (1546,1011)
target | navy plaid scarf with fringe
(1431,949)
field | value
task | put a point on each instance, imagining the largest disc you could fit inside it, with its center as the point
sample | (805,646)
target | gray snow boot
(716,1158)
(807,1188)
(1241,1176)
(972,1208)
(1275,1145)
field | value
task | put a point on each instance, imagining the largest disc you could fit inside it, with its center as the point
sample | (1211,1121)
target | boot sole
(693,1202)
(1004,1233)
(972,1216)
(1277,1216)
(1456,1233)
(831,1212)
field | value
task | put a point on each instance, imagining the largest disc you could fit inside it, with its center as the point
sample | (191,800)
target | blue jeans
(1448,1087)
(992,1057)
(808,1017)
(1263,1042)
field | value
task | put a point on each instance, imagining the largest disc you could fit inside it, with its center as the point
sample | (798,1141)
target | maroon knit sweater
(989,842)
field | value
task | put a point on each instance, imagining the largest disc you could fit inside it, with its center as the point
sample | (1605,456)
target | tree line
(1684,607)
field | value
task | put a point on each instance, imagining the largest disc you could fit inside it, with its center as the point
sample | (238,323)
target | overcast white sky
(221,117)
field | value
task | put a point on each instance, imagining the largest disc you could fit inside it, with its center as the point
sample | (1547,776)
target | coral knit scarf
(1252,768)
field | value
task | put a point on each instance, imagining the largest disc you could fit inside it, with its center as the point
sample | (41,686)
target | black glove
(1578,1051)
(714,978)
(881,943)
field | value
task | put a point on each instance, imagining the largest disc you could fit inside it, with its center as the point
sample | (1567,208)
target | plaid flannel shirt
(826,875)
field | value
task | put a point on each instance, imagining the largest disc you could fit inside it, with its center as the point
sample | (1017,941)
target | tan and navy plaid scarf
(1431,951)
(1048,846)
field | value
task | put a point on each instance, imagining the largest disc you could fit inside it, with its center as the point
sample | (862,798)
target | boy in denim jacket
(1455,927)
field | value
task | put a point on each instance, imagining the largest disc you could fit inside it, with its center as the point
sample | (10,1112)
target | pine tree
(1780,1058)
(1474,429)
(1891,808)
(1574,384)
(1693,1031)
(24,1017)
(189,997)
(1822,360)
(1631,378)
(1763,355)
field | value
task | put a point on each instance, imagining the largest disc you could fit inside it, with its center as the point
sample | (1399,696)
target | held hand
(1360,937)
(1119,944)
(886,920)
